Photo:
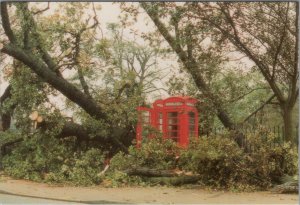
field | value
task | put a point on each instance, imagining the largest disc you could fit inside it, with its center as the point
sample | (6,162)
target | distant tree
(267,33)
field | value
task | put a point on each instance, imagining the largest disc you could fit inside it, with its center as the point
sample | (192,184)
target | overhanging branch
(6,23)
(261,107)
(60,84)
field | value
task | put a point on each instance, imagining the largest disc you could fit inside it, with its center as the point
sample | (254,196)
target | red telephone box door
(173,128)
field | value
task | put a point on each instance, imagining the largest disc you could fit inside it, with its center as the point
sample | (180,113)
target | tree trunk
(288,124)
(175,181)
(6,116)
(146,172)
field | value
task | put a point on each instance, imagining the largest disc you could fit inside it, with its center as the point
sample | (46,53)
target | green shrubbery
(83,169)
(154,153)
(218,161)
(41,158)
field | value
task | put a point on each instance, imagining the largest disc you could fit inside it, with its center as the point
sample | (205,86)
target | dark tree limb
(70,129)
(260,107)
(42,10)
(146,172)
(190,64)
(5,116)
(60,84)
(77,63)
(175,181)
(45,55)
(6,94)
(6,23)
(247,93)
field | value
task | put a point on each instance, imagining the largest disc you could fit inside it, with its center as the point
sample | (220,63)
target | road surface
(15,199)
(25,192)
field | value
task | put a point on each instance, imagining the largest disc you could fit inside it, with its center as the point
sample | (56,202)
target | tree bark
(175,181)
(142,171)
(288,124)
(69,129)
(6,116)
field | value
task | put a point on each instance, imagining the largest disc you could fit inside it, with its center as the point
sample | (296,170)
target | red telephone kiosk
(175,117)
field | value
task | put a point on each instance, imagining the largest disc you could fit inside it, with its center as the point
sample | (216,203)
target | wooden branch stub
(36,118)
(34,115)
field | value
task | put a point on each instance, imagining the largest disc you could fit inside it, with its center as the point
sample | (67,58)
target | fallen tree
(69,129)
(163,177)
(36,57)
(175,181)
(146,172)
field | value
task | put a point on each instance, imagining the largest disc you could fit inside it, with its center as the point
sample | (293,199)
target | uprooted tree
(43,47)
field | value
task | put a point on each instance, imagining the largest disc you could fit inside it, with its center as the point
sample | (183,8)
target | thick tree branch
(6,23)
(6,94)
(69,129)
(67,89)
(77,63)
(279,47)
(42,10)
(30,20)
(247,93)
(5,116)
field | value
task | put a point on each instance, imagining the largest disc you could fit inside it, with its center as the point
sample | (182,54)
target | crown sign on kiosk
(175,117)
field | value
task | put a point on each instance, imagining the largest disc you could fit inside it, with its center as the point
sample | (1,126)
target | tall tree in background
(267,33)
(127,59)
(183,43)
(273,47)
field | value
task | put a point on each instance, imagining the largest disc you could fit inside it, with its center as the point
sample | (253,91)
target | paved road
(15,199)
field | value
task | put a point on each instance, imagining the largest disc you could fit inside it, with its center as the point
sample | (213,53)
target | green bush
(221,163)
(218,160)
(83,169)
(45,158)
(269,162)
(155,153)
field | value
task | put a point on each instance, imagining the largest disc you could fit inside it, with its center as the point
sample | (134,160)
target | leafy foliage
(156,153)
(41,157)
(218,160)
